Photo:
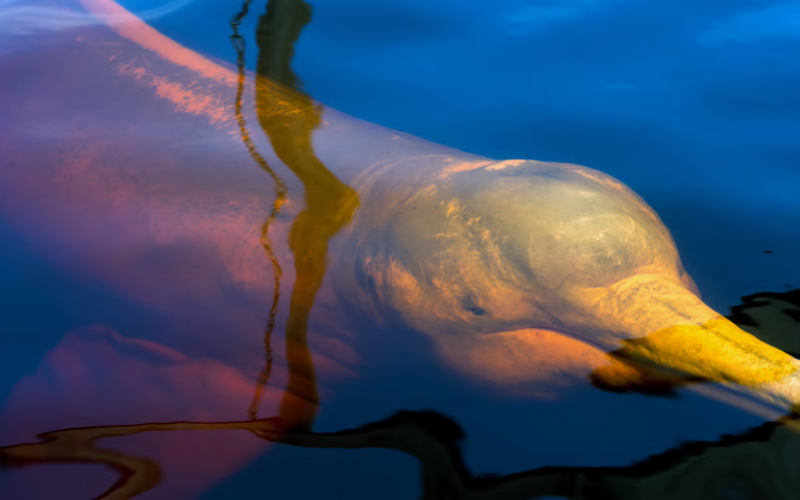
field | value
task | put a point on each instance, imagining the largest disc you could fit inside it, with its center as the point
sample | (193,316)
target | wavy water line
(281,194)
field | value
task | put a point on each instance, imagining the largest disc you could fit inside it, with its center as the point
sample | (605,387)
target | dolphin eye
(477,311)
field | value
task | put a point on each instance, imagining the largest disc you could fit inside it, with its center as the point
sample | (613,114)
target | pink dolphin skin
(124,160)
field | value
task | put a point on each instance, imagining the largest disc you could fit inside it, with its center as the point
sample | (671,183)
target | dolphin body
(143,157)
(123,159)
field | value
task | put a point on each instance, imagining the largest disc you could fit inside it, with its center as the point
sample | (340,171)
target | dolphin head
(517,263)
(512,244)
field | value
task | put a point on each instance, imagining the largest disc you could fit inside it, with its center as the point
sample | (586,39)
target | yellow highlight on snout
(717,350)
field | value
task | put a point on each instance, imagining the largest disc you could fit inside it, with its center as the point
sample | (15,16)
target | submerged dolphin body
(477,254)
(124,151)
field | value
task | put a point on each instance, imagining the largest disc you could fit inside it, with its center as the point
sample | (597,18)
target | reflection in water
(280,198)
(289,116)
(759,463)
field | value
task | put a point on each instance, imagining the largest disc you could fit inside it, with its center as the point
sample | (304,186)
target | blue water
(693,104)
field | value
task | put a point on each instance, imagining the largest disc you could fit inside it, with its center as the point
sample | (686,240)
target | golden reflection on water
(289,116)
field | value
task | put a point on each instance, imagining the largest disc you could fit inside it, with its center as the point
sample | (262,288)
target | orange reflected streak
(289,118)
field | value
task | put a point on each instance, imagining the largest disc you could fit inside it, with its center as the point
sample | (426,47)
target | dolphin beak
(658,321)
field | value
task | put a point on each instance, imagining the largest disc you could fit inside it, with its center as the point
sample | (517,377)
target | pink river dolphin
(135,162)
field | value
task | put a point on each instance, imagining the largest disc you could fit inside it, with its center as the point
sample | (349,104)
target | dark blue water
(693,104)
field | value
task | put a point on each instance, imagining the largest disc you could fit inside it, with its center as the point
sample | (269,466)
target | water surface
(691,105)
